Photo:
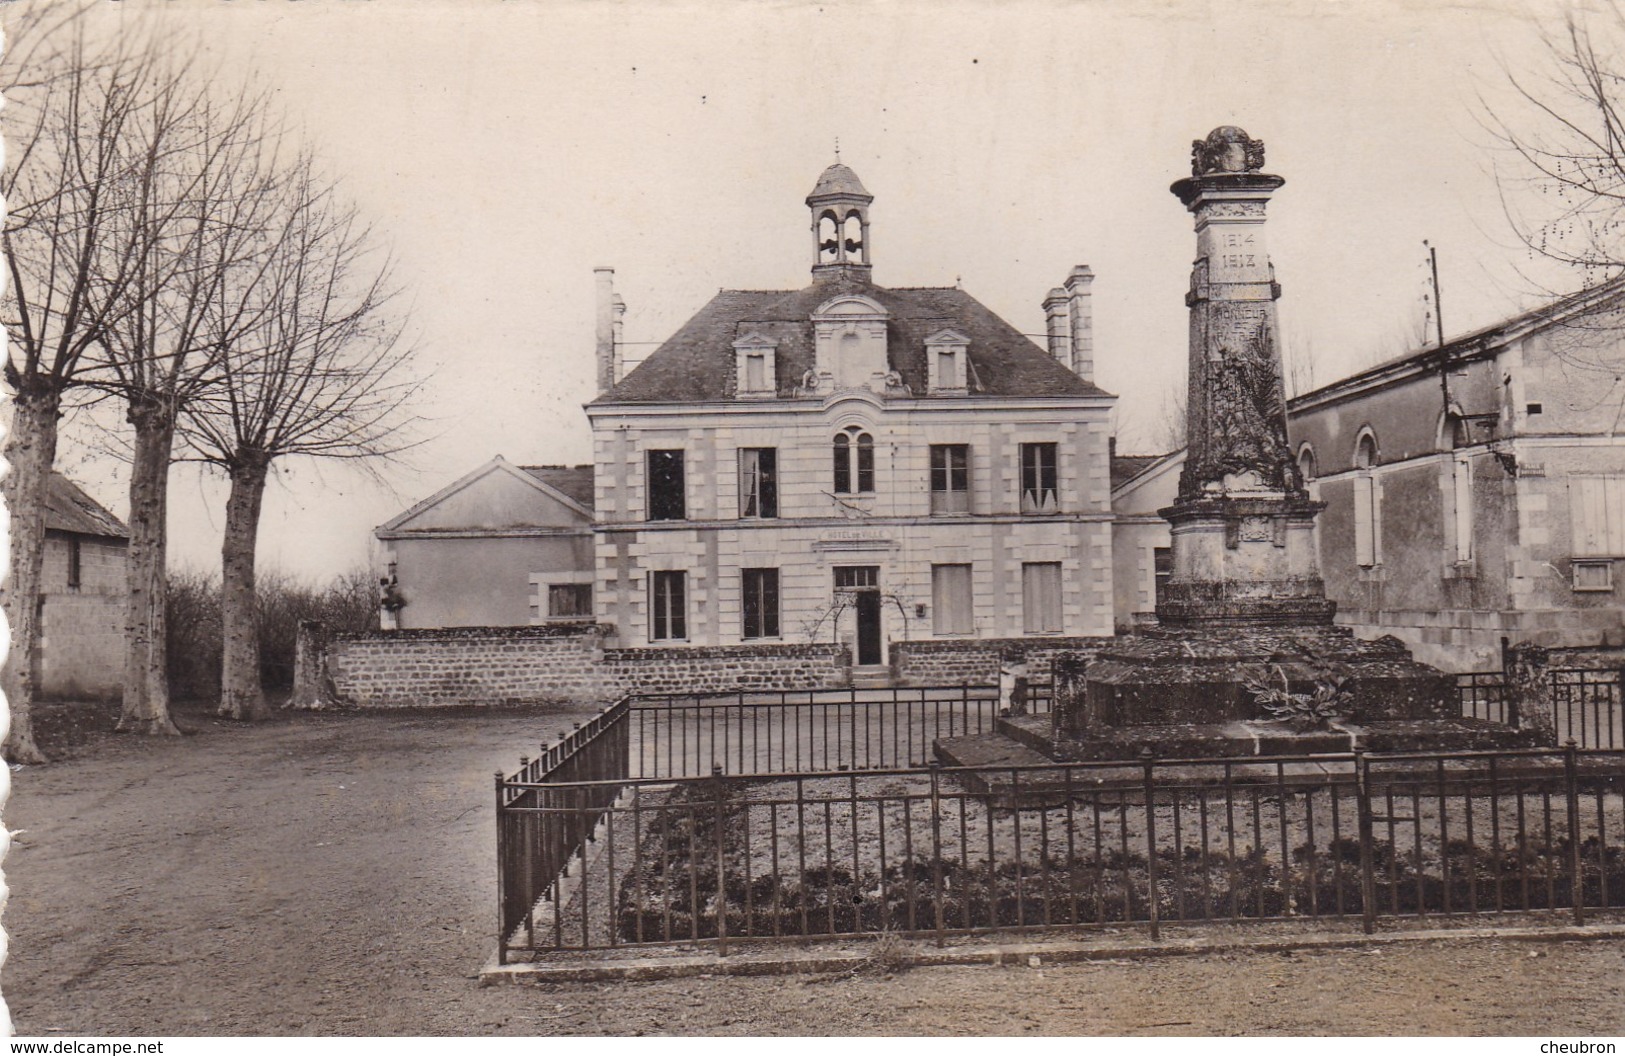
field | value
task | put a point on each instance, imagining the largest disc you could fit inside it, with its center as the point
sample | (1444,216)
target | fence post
(1571,781)
(936,847)
(1529,691)
(1368,881)
(722,871)
(502,887)
(1148,760)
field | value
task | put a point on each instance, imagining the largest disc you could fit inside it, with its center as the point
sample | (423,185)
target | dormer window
(756,366)
(946,366)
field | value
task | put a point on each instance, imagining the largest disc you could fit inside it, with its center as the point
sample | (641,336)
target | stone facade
(560,663)
(891,530)
(1488,484)
(855,393)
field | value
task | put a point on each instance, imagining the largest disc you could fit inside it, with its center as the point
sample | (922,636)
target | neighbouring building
(886,468)
(1142,555)
(82,597)
(503,546)
(1476,492)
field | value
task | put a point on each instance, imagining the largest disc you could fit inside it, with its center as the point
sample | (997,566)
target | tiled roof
(574,481)
(1126,467)
(68,509)
(697,362)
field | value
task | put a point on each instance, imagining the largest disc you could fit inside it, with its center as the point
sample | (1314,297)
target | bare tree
(1170,430)
(1564,133)
(85,130)
(321,372)
(203,210)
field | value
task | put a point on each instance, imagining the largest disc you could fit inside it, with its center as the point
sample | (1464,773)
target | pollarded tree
(86,128)
(322,372)
(206,211)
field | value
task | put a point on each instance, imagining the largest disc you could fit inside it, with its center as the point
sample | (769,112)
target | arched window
(1367,504)
(1306,465)
(854,452)
(1365,451)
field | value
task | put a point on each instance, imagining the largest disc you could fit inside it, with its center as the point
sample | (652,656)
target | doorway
(863,583)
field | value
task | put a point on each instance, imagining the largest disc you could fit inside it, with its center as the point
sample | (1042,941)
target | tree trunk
(31,450)
(241,695)
(146,674)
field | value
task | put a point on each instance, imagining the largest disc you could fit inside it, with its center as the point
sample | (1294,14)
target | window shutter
(1597,516)
(1041,597)
(951,599)
(1364,546)
(1463,473)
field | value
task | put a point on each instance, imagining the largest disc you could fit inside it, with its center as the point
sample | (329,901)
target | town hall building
(853,464)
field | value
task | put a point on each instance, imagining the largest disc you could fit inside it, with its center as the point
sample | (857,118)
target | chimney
(619,312)
(1055,325)
(605,278)
(1082,322)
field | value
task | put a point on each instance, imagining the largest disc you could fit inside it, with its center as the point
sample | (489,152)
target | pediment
(757,339)
(851,306)
(948,336)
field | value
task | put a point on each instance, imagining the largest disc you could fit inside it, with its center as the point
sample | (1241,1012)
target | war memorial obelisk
(1245,659)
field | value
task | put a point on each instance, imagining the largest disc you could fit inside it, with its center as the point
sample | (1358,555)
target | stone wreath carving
(1317,709)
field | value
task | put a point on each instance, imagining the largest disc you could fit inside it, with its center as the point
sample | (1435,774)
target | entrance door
(868,627)
(863,583)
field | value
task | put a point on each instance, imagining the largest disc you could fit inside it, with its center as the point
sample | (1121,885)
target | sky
(503,150)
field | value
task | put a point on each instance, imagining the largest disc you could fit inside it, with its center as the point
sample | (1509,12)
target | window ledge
(1461,570)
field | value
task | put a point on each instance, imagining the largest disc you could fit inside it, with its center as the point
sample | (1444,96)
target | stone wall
(951,662)
(560,663)
(706,669)
(1467,640)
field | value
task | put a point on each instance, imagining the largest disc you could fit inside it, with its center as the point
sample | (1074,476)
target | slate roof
(697,363)
(1126,467)
(838,179)
(574,481)
(69,509)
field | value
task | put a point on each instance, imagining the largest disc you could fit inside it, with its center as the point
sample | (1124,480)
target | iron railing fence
(1483,695)
(548,809)
(794,731)
(1588,706)
(933,852)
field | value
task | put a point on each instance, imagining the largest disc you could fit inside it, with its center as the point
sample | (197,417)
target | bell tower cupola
(840,225)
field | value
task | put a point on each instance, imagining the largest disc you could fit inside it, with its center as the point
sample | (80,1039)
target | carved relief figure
(1246,416)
